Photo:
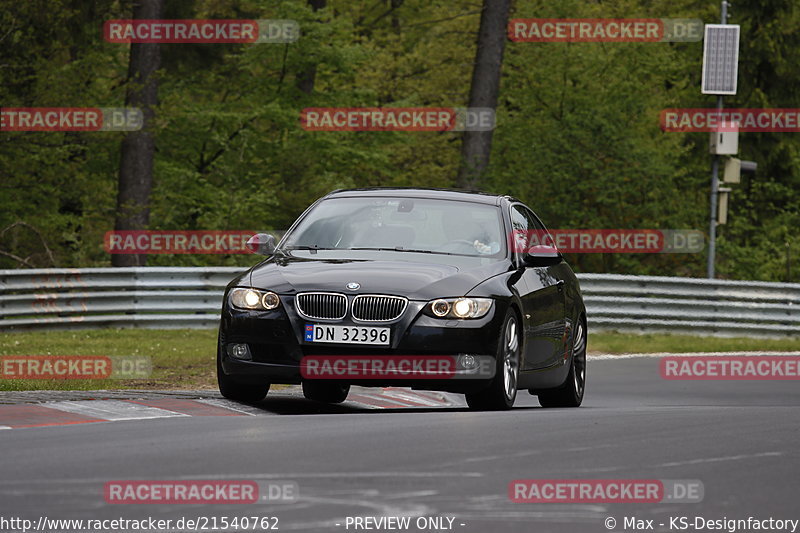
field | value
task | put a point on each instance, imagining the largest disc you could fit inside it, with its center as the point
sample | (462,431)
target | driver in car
(469,234)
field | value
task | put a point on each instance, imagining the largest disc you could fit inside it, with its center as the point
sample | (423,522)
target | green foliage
(577,137)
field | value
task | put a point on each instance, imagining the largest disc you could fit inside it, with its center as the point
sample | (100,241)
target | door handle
(560,285)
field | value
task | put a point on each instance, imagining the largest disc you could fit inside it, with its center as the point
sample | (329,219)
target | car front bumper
(277,346)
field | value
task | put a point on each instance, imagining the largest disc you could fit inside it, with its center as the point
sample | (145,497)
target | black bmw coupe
(425,288)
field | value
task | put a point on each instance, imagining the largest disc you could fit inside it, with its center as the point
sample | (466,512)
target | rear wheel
(325,391)
(502,391)
(570,394)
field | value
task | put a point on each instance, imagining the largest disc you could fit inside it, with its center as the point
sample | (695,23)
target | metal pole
(712,220)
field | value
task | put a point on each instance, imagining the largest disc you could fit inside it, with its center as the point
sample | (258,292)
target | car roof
(418,192)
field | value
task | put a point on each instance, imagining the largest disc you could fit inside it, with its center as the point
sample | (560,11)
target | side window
(539,235)
(527,229)
(533,220)
(520,229)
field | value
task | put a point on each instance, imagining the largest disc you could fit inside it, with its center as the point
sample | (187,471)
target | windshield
(444,227)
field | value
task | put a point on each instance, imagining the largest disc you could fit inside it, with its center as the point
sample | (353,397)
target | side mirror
(262,244)
(541,255)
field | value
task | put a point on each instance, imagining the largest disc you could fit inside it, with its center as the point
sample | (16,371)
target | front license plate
(347,334)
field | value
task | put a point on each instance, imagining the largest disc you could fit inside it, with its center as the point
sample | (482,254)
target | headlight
(242,298)
(459,307)
(440,307)
(463,307)
(270,300)
(250,299)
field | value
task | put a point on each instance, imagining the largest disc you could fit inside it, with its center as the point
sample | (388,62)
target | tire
(570,394)
(238,391)
(502,390)
(325,391)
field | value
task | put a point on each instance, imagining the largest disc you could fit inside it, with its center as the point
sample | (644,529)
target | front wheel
(325,391)
(238,391)
(570,394)
(502,391)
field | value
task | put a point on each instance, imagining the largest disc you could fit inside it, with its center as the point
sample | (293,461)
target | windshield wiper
(401,249)
(313,248)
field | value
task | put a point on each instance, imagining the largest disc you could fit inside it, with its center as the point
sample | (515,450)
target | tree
(477,145)
(138,147)
(305,78)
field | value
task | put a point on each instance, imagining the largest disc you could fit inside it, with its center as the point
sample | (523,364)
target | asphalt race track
(740,439)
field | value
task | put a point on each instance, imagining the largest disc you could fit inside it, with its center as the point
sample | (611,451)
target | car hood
(415,280)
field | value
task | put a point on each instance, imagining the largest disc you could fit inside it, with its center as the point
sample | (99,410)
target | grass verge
(613,342)
(184,359)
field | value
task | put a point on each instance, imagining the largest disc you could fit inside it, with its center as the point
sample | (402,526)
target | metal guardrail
(144,297)
(189,297)
(649,304)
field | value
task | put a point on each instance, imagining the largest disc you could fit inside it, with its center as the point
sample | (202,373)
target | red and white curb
(28,415)
(86,411)
(399,398)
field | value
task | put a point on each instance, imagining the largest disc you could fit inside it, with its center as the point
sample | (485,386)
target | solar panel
(720,58)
